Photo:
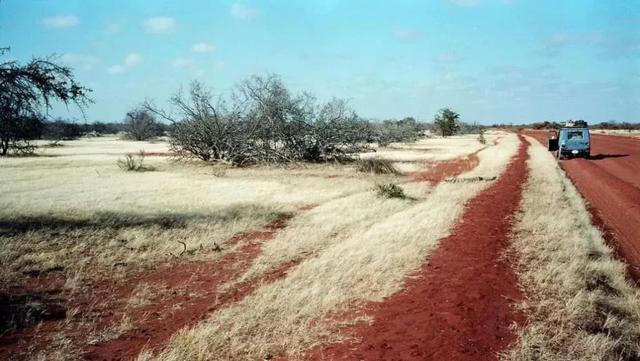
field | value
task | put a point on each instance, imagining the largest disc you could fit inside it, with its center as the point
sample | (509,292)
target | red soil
(459,304)
(187,293)
(440,171)
(159,154)
(610,181)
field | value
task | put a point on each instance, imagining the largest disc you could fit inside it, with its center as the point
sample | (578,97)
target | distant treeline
(61,129)
(557,125)
(383,131)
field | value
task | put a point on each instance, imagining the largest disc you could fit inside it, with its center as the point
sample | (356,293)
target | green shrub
(390,190)
(376,166)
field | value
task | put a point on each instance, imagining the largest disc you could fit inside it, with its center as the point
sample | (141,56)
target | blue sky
(506,61)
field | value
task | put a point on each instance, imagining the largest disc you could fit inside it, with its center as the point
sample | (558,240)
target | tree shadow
(24,309)
(601,156)
(15,226)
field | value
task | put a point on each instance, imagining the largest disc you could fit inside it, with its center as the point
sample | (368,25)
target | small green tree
(447,122)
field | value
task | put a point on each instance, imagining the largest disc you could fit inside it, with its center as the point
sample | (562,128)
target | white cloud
(160,25)
(116,69)
(203,48)
(244,12)
(84,62)
(59,22)
(132,59)
(465,3)
(181,62)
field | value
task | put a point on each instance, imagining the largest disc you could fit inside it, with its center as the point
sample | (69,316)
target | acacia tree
(447,122)
(27,91)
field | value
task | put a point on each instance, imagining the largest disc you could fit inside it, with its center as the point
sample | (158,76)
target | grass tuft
(376,166)
(134,163)
(390,190)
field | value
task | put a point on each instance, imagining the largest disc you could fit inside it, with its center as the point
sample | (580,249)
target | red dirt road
(610,181)
(459,304)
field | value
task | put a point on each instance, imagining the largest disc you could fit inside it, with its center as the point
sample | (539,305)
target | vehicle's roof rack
(575,124)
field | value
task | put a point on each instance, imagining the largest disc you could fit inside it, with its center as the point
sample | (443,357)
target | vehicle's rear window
(575,135)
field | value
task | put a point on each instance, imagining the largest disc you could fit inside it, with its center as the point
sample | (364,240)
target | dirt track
(458,306)
(610,181)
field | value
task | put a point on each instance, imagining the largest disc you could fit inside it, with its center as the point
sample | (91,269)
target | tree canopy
(447,122)
(27,92)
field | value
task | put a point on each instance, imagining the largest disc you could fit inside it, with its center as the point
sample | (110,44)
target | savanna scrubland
(72,217)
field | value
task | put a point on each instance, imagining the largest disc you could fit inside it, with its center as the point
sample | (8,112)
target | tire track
(458,306)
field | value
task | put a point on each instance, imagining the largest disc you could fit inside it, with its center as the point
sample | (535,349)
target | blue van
(572,140)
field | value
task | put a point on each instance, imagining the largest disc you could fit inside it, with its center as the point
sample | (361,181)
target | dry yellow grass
(431,149)
(578,304)
(73,210)
(73,201)
(356,249)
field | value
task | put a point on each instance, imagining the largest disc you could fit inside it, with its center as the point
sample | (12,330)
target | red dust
(159,154)
(458,306)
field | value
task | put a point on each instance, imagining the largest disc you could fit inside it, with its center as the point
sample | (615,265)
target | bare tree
(277,118)
(27,91)
(261,122)
(141,124)
(207,129)
(293,128)
(338,133)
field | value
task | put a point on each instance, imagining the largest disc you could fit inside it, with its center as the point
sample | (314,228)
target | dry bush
(263,122)
(141,125)
(390,190)
(376,166)
(481,137)
(393,131)
(134,163)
